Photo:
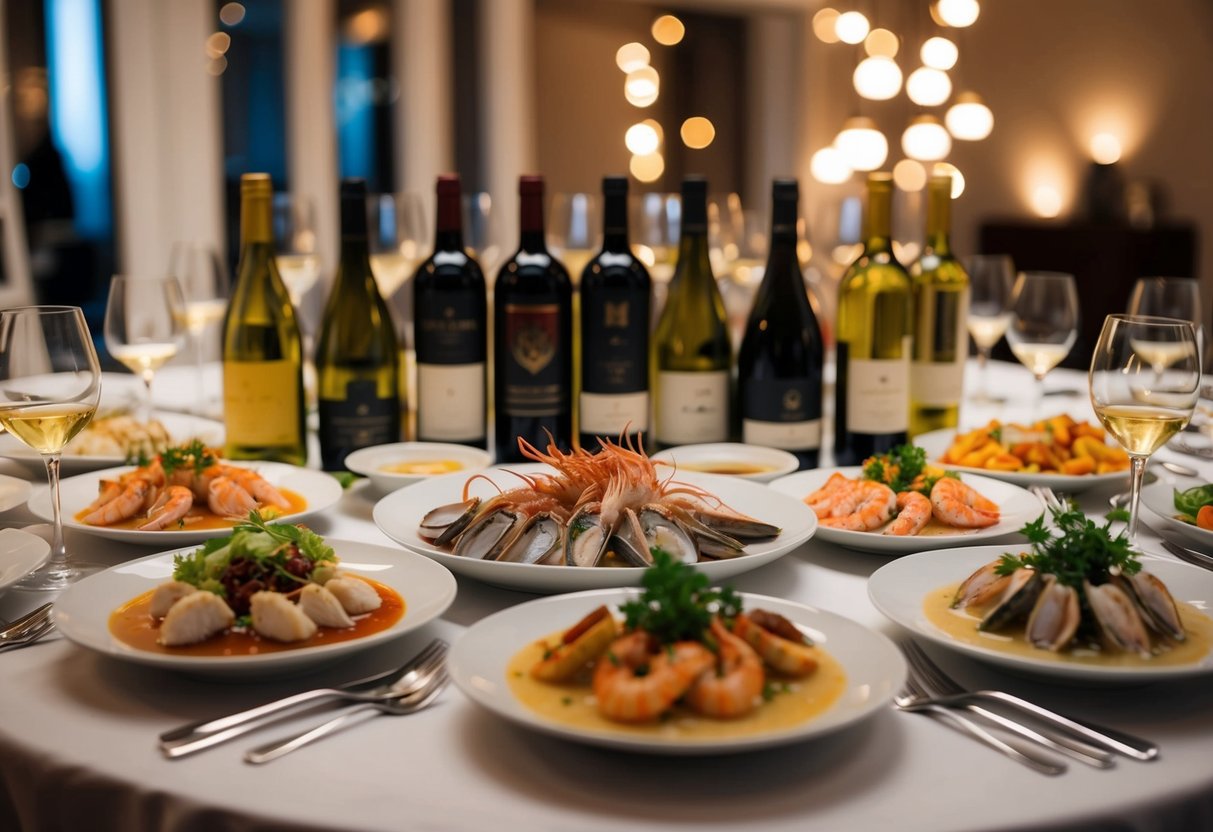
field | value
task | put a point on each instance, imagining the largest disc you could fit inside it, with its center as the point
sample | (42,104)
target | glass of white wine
(990,279)
(575,231)
(205,287)
(1170,297)
(295,245)
(1044,323)
(50,383)
(144,326)
(1139,405)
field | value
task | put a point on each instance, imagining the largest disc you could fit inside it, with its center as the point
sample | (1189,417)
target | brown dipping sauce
(200,517)
(736,469)
(134,626)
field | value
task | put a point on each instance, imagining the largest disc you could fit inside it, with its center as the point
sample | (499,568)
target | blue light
(78,117)
(21,175)
(354,111)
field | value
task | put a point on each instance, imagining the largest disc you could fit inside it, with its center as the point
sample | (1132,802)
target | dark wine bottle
(779,364)
(532,339)
(451,333)
(357,363)
(615,292)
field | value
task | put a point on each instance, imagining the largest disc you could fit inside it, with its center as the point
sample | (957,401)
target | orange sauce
(133,625)
(422,466)
(201,517)
(735,469)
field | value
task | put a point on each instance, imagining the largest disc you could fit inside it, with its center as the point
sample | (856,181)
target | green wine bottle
(262,351)
(357,363)
(941,303)
(874,340)
(691,347)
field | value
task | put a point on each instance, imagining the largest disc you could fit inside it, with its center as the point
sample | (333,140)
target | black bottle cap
(785,189)
(448,184)
(353,188)
(694,204)
(613,185)
(353,208)
(530,185)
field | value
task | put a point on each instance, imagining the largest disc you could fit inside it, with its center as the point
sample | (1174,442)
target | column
(425,123)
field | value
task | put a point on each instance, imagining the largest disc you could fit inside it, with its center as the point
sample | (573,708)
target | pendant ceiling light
(877,78)
(928,87)
(862,145)
(925,139)
(969,119)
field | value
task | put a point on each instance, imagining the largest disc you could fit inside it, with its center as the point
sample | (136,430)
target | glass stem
(58,561)
(1039,403)
(199,375)
(147,396)
(1138,473)
(983,357)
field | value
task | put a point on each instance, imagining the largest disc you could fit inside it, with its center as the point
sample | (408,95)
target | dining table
(78,730)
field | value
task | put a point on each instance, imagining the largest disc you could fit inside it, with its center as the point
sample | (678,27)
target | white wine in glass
(1044,323)
(990,280)
(206,287)
(50,383)
(1139,405)
(144,326)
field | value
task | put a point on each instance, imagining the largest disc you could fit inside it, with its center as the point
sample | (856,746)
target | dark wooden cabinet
(1105,260)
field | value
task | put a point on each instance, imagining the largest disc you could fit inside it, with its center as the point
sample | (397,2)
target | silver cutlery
(30,636)
(1121,499)
(393,684)
(943,685)
(401,706)
(1189,555)
(1181,445)
(21,626)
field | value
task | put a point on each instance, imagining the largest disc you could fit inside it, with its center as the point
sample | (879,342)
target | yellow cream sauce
(796,701)
(422,466)
(723,467)
(961,624)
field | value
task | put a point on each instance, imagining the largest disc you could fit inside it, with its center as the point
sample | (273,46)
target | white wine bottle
(262,351)
(691,347)
(357,363)
(874,341)
(941,304)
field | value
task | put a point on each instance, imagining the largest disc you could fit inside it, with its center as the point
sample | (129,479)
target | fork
(21,626)
(29,636)
(946,688)
(1188,555)
(401,706)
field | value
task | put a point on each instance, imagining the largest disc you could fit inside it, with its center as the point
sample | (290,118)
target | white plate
(319,489)
(83,610)
(700,457)
(874,667)
(398,514)
(899,588)
(937,442)
(1159,498)
(14,491)
(20,554)
(370,461)
(181,427)
(1016,505)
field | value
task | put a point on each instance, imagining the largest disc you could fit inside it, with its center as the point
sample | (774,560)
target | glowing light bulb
(851,27)
(909,175)
(631,57)
(668,30)
(877,78)
(1105,148)
(926,140)
(928,87)
(642,86)
(969,119)
(697,132)
(825,25)
(641,139)
(829,167)
(949,169)
(862,145)
(881,43)
(957,13)
(939,53)
(1046,201)
(647,168)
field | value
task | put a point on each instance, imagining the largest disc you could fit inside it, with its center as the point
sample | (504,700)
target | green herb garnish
(678,603)
(901,469)
(194,455)
(1084,550)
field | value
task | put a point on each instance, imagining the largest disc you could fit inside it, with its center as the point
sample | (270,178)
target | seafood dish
(1195,506)
(611,508)
(679,654)
(899,494)
(1059,445)
(122,436)
(264,587)
(186,487)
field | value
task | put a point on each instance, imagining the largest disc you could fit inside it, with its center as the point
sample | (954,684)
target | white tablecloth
(77,739)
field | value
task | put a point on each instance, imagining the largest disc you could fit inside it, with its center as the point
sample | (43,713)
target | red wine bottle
(450,325)
(779,365)
(615,291)
(532,339)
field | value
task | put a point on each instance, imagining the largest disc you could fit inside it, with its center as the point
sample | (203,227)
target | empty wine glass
(990,278)
(1044,323)
(478,233)
(1170,297)
(144,326)
(295,245)
(50,383)
(1139,405)
(656,243)
(575,231)
(205,286)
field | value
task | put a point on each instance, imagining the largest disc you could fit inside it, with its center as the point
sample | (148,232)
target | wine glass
(144,326)
(656,243)
(295,245)
(1139,405)
(205,286)
(575,231)
(990,277)
(50,383)
(1044,323)
(478,233)
(1170,297)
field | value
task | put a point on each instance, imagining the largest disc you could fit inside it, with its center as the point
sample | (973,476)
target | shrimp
(106,490)
(870,507)
(123,506)
(735,687)
(777,641)
(958,505)
(257,485)
(823,500)
(634,684)
(170,506)
(226,498)
(914,512)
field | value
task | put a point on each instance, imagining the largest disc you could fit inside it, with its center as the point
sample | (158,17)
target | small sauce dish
(749,462)
(402,463)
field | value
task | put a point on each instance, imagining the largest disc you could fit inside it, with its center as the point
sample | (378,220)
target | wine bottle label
(449,330)
(261,403)
(607,415)
(614,338)
(534,367)
(937,383)
(782,413)
(878,395)
(450,402)
(692,407)
(359,420)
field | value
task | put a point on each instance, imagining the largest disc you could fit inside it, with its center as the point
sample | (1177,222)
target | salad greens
(1084,550)
(1189,502)
(269,546)
(678,603)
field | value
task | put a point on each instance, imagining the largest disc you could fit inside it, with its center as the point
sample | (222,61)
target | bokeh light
(668,30)
(697,132)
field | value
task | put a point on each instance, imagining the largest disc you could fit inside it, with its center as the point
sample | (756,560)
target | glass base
(55,579)
(982,397)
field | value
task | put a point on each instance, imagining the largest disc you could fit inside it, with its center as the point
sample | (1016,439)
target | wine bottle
(941,303)
(451,333)
(874,340)
(692,351)
(262,351)
(615,292)
(357,363)
(779,364)
(532,339)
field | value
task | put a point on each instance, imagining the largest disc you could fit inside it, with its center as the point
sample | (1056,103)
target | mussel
(1155,603)
(1055,617)
(486,536)
(981,587)
(1117,617)
(537,541)
(444,523)
(1017,600)
(652,527)
(586,540)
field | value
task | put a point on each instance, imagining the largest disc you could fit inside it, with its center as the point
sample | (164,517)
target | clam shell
(1016,601)
(1118,619)
(1055,617)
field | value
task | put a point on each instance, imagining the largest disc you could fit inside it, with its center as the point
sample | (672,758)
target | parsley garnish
(1084,550)
(904,468)
(195,455)
(678,603)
